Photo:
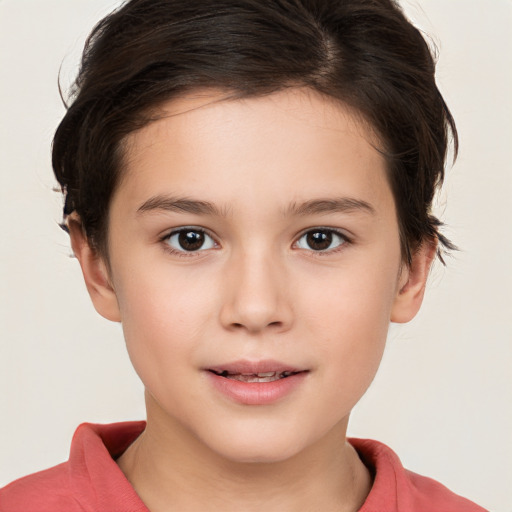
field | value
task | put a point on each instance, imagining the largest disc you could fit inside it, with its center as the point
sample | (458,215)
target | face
(254,240)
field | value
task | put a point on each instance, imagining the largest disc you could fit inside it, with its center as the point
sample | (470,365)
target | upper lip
(253,367)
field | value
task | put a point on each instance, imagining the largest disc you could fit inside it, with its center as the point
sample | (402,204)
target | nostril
(238,326)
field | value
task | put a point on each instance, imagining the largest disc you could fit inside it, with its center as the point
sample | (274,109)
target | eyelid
(342,232)
(182,253)
(347,239)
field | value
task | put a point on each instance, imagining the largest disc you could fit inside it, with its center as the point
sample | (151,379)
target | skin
(256,291)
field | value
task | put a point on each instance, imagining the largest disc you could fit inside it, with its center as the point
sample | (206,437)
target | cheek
(349,320)
(164,317)
(355,298)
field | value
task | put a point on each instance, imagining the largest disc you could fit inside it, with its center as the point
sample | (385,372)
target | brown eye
(190,240)
(321,240)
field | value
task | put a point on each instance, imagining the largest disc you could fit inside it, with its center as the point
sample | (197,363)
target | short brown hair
(364,53)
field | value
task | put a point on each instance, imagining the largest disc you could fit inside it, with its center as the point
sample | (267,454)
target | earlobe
(412,282)
(95,272)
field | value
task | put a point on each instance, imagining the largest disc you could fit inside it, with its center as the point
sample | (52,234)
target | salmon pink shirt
(91,481)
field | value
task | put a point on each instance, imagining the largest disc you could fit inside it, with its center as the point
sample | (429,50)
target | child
(248,189)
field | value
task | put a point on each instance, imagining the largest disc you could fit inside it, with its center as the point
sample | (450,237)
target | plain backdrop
(442,398)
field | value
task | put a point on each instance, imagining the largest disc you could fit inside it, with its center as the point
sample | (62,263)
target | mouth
(256,382)
(255,371)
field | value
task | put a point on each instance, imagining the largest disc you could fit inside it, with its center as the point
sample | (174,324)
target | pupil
(319,240)
(191,240)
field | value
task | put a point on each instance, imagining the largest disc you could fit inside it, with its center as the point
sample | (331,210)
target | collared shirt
(91,481)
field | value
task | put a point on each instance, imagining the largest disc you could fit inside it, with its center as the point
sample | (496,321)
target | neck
(171,469)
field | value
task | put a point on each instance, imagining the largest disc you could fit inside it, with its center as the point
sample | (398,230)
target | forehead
(287,145)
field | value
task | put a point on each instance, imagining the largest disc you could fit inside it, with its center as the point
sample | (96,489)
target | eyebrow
(176,204)
(335,205)
(312,207)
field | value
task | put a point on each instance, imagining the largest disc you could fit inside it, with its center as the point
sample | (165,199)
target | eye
(189,240)
(321,240)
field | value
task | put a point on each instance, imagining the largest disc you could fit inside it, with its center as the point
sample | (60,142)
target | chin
(258,454)
(256,446)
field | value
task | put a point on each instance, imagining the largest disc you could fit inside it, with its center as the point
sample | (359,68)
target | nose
(256,295)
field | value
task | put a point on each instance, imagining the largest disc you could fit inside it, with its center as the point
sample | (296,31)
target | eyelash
(345,240)
(184,254)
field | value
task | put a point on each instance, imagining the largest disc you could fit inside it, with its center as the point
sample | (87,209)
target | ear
(95,272)
(412,282)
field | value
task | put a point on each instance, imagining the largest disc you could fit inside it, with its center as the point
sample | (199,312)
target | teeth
(255,377)
(259,377)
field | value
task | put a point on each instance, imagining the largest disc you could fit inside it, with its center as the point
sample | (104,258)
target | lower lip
(256,393)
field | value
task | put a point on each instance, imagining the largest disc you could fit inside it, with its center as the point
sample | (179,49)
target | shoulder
(428,493)
(89,480)
(401,490)
(45,491)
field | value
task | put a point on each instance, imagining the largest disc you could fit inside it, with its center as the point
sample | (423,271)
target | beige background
(442,398)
